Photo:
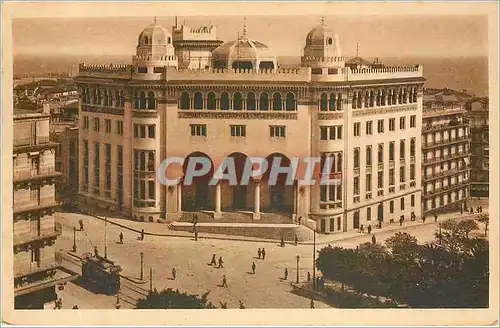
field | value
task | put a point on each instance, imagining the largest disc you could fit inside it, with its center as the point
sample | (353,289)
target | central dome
(244,53)
(155,40)
(319,36)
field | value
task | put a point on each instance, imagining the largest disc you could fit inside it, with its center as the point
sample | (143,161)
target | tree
(173,299)
(484,219)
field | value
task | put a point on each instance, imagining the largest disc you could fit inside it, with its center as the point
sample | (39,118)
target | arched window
(237,101)
(327,164)
(224,101)
(143,161)
(382,100)
(99,97)
(372,99)
(290,101)
(251,101)
(402,149)
(391,151)
(356,158)
(105,98)
(394,97)
(354,100)
(323,103)
(151,161)
(151,100)
(331,102)
(400,96)
(329,41)
(360,100)
(380,154)
(412,147)
(368,156)
(378,98)
(211,102)
(264,101)
(122,99)
(339,102)
(367,99)
(277,102)
(142,100)
(185,102)
(146,40)
(339,162)
(117,99)
(198,100)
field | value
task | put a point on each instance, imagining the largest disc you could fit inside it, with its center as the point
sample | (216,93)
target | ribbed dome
(155,34)
(319,36)
(243,50)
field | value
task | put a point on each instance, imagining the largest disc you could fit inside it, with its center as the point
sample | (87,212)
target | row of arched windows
(334,159)
(238,101)
(104,97)
(330,102)
(141,101)
(384,97)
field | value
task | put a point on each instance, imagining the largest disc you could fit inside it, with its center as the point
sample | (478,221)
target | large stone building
(445,151)
(36,271)
(367,119)
(477,114)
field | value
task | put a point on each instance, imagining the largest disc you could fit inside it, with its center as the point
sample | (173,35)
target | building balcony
(22,239)
(330,205)
(444,126)
(368,195)
(392,190)
(41,173)
(380,192)
(95,108)
(445,173)
(413,183)
(445,158)
(30,141)
(402,186)
(145,113)
(446,188)
(445,142)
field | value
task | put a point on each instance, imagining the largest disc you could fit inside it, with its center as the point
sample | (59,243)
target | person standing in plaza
(461,210)
(423,218)
(174,273)
(369,229)
(296,240)
(374,240)
(253,267)
(142,234)
(220,263)
(259,252)
(400,221)
(282,242)
(312,303)
(195,234)
(308,277)
(213,262)
(121,237)
(286,274)
(263,253)
(435,218)
(224,281)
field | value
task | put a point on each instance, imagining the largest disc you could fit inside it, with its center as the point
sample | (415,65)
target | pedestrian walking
(259,253)
(142,234)
(282,242)
(195,220)
(369,229)
(263,253)
(220,263)
(96,251)
(300,220)
(400,221)
(435,218)
(312,303)
(224,281)
(195,235)
(213,262)
(374,240)
(308,277)
(121,237)
(296,240)
(286,274)
(174,273)
(423,218)
(81,224)
(253,267)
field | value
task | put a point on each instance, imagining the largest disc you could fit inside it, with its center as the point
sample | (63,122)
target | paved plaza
(264,289)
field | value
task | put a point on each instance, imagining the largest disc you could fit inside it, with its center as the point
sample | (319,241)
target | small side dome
(155,40)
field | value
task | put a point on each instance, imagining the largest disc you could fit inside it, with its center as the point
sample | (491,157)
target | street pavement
(264,289)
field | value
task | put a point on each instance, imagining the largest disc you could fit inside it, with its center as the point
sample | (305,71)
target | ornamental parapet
(105,71)
(220,114)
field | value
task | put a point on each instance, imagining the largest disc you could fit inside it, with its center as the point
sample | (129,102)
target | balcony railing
(445,142)
(444,158)
(445,173)
(21,239)
(41,172)
(443,126)
(392,189)
(330,205)
(447,188)
(402,186)
(413,183)
(368,195)
(380,192)
(356,171)
(356,199)
(49,202)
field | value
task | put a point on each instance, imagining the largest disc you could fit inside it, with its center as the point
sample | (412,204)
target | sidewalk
(162,229)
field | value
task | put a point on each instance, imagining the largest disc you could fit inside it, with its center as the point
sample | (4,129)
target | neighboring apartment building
(445,151)
(477,114)
(368,120)
(36,271)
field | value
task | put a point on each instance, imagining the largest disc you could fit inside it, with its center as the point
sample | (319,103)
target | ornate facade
(134,116)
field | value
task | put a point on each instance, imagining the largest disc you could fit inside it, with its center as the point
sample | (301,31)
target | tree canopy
(174,299)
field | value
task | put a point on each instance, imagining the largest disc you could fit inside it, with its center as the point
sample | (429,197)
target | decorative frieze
(383,110)
(259,115)
(330,116)
(103,110)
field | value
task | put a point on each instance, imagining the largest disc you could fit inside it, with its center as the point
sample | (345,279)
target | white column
(179,197)
(218,212)
(256,202)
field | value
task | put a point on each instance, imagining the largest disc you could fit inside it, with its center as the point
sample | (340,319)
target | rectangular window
(356,158)
(331,190)
(119,127)
(402,123)
(380,179)
(380,126)
(368,155)
(402,204)
(402,174)
(96,124)
(357,129)
(85,122)
(322,193)
(151,131)
(369,182)
(391,206)
(369,127)
(151,189)
(356,186)
(136,160)
(391,177)
(332,224)
(413,121)
(412,200)
(136,189)
(339,224)
(323,132)
(238,131)
(142,129)
(142,189)
(339,132)
(277,131)
(392,124)
(85,162)
(368,214)
(107,124)
(136,130)
(412,172)
(199,130)
(96,165)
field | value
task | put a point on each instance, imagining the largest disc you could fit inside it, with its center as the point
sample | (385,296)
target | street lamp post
(314,258)
(150,279)
(74,239)
(298,258)
(105,237)
(142,266)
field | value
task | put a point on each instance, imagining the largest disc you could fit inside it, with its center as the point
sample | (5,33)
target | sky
(378,36)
